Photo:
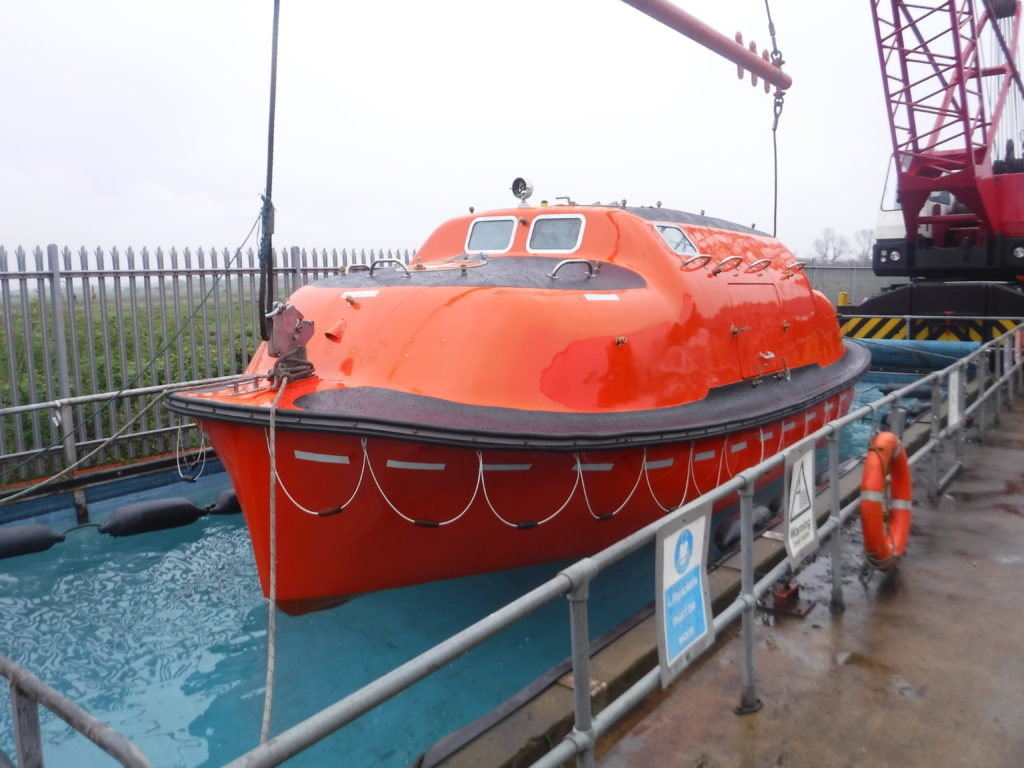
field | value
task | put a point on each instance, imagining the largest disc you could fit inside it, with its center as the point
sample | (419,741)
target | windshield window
(490,235)
(561,234)
(676,239)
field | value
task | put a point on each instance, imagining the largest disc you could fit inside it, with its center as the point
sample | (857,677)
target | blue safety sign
(683,607)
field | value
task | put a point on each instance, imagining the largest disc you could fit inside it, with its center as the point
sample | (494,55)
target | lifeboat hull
(356,514)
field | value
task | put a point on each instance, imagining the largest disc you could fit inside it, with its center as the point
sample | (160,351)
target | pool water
(164,636)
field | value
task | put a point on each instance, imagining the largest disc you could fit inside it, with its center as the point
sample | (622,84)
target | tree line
(833,247)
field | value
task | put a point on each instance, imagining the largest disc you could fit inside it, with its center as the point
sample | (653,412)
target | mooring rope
(268,697)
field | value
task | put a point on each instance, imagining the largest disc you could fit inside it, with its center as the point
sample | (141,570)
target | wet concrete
(924,668)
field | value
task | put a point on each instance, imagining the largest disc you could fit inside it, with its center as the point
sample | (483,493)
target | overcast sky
(144,122)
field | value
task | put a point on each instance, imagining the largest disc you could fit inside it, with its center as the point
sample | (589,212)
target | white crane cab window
(557,233)
(491,234)
(676,239)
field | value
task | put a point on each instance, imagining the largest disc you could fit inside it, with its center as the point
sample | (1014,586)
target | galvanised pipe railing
(60,411)
(574,580)
(28,693)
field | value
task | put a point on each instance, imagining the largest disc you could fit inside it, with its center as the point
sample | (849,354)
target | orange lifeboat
(539,383)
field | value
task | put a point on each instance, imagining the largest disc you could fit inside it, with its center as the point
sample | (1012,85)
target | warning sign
(801,527)
(682,606)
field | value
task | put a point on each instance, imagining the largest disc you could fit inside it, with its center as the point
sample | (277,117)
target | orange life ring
(885,522)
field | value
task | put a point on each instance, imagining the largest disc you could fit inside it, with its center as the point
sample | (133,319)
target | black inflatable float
(152,515)
(727,535)
(923,392)
(23,539)
(226,503)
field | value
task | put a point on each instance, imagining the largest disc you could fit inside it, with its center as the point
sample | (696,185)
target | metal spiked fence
(88,336)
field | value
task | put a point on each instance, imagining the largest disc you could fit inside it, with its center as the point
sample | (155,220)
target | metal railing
(999,373)
(998,368)
(121,323)
(28,693)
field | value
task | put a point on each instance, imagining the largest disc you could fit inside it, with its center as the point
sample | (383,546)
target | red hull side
(361,514)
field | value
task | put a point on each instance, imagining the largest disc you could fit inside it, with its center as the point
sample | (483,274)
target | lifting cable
(994,17)
(777,60)
(268,288)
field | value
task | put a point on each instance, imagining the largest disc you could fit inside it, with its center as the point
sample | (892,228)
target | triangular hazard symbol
(800,499)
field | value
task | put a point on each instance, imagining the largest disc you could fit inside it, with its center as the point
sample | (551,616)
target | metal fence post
(997,368)
(1008,366)
(63,413)
(838,604)
(1018,342)
(1018,351)
(897,420)
(583,730)
(982,384)
(295,267)
(961,402)
(27,736)
(936,428)
(1015,343)
(749,702)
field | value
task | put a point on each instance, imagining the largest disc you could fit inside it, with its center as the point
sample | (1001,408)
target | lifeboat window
(491,235)
(676,239)
(555,234)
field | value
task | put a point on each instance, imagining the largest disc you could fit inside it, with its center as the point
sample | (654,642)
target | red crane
(954,99)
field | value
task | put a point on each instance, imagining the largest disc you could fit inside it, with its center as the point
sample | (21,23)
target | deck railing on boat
(971,390)
(28,693)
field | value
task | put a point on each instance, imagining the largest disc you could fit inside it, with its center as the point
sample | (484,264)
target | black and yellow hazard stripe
(946,329)
(875,328)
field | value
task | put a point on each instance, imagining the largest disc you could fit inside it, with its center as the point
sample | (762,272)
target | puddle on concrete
(897,682)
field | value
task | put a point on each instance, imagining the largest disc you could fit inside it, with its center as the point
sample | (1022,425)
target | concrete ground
(924,668)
